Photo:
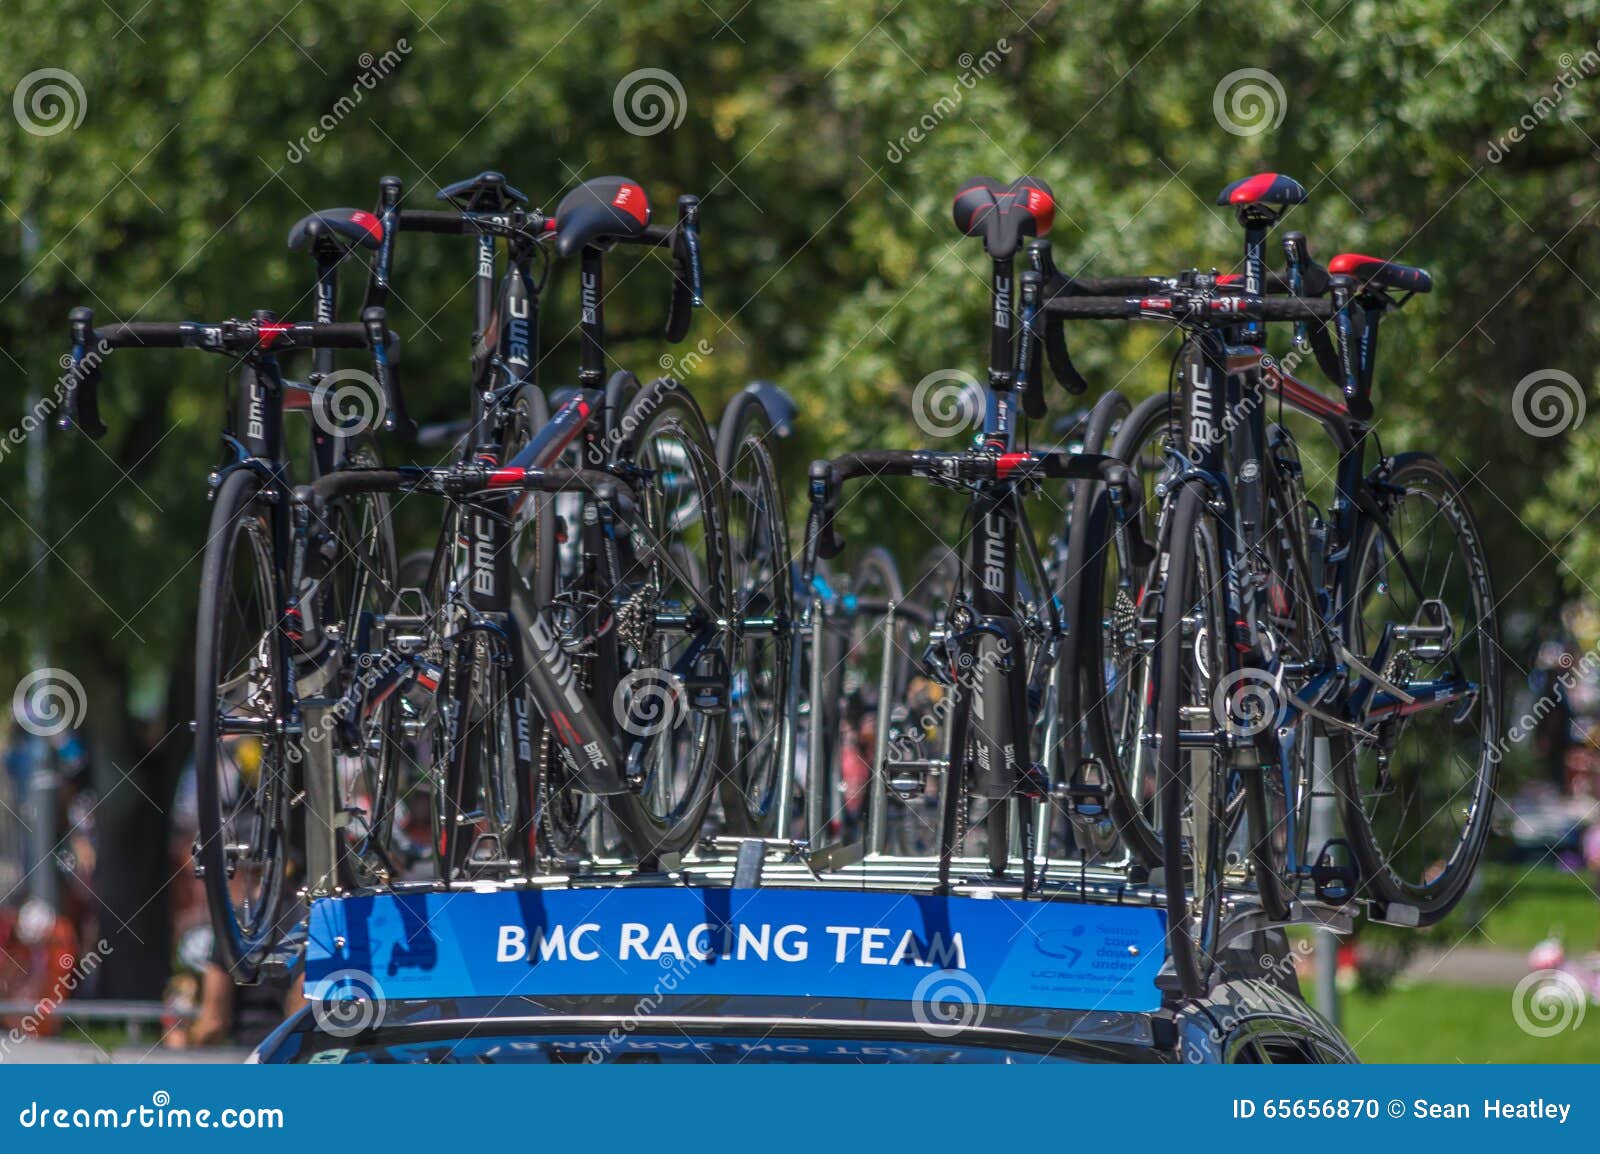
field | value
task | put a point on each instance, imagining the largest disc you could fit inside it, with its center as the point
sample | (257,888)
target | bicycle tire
(758,549)
(242,942)
(662,414)
(1188,784)
(1432,897)
(1132,788)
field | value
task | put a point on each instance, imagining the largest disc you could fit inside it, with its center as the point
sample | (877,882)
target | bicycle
(1252,588)
(998,647)
(259,621)
(641,625)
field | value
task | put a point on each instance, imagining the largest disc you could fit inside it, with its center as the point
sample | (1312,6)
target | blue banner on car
(671,941)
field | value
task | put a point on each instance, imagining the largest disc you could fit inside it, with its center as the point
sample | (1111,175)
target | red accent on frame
(565,733)
(1297,394)
(506,478)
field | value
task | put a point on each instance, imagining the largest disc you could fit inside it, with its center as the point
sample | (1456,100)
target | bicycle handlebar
(253,337)
(1179,307)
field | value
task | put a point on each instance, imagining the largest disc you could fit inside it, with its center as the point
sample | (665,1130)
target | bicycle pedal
(909,779)
(1087,803)
(1335,877)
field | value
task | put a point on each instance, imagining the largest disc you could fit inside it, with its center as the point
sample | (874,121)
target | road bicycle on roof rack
(1263,627)
(620,625)
(262,619)
(998,648)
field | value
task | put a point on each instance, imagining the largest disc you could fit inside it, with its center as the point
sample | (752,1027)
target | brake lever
(389,188)
(687,280)
(821,540)
(395,419)
(1042,257)
(1030,372)
(82,407)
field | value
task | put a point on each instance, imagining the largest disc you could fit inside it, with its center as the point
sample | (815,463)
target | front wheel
(1192,777)
(672,633)
(241,757)
(760,719)
(1417,792)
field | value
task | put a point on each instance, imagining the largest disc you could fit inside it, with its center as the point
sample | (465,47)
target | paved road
(1470,966)
(58,1051)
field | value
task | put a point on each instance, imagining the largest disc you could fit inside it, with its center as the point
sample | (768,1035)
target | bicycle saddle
(1270,188)
(607,207)
(486,192)
(1004,213)
(345,227)
(1372,270)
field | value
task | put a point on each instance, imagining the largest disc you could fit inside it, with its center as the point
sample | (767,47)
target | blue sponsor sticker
(667,941)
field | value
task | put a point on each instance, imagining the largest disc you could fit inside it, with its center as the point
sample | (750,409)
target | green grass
(1444,1023)
(1516,907)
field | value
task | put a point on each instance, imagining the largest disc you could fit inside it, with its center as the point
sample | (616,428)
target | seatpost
(997,422)
(1257,219)
(592,328)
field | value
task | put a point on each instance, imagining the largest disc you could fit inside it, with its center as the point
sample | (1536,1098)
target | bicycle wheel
(671,623)
(911,823)
(242,768)
(562,813)
(821,692)
(1069,568)
(874,584)
(1192,779)
(362,582)
(1417,794)
(1114,663)
(758,544)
